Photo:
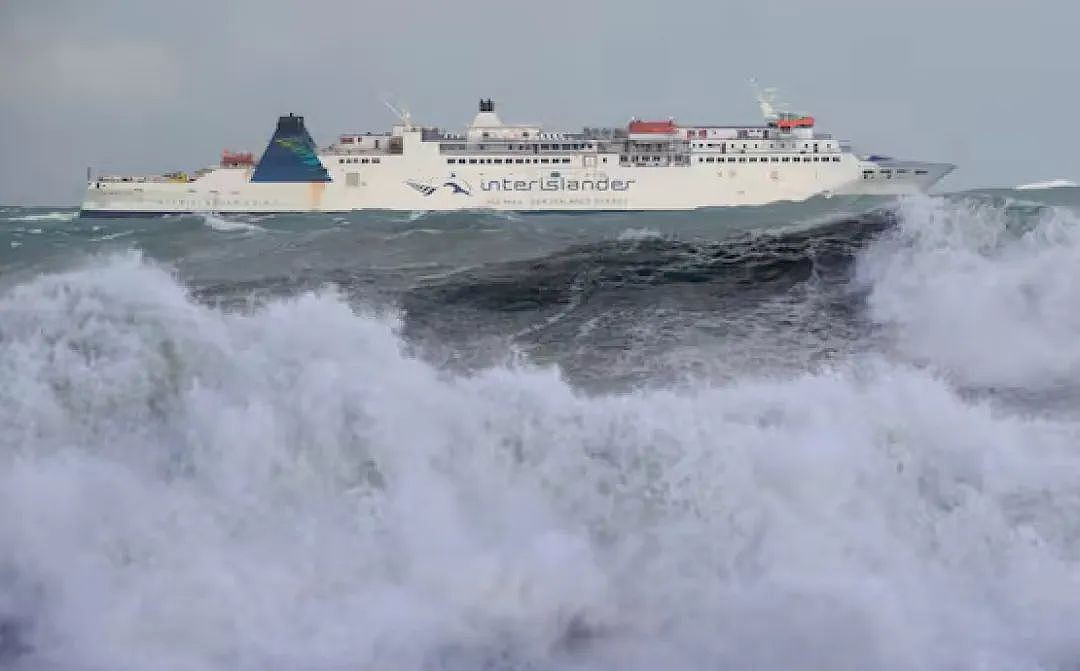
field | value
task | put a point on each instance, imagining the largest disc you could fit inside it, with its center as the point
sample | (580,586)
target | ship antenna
(402,114)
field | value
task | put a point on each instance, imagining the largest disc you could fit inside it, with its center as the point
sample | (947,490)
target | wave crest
(287,488)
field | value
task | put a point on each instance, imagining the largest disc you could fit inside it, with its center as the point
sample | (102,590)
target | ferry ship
(492,165)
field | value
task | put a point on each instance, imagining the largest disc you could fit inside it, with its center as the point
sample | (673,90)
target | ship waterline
(648,165)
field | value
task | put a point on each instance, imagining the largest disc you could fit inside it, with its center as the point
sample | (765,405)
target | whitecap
(47,216)
(218,223)
(1049,184)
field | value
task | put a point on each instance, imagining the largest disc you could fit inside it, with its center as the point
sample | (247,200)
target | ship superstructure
(645,165)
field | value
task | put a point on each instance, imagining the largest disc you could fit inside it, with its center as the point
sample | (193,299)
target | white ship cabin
(785,137)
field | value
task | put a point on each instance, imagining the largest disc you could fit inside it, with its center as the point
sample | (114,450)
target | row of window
(522,147)
(639,159)
(501,161)
(772,145)
(767,159)
(358,160)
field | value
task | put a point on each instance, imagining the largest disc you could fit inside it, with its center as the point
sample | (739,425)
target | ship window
(710,160)
(623,158)
(566,160)
(472,160)
(519,160)
(543,160)
(753,159)
(731,159)
(836,159)
(700,159)
(346,140)
(920,172)
(545,146)
(605,159)
(498,160)
(451,160)
(775,159)
(375,160)
(364,160)
(742,159)
(786,159)
(341,160)
(902,171)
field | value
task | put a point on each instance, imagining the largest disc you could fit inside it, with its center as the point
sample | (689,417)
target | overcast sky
(133,86)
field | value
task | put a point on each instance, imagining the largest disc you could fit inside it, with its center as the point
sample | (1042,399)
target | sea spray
(189,489)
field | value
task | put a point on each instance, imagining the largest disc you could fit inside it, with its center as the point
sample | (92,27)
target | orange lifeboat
(797,122)
(231,159)
(653,127)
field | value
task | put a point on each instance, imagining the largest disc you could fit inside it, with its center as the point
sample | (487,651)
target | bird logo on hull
(455,184)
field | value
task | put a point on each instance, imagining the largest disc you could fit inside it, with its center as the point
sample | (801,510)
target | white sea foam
(640,234)
(223,225)
(1049,184)
(186,489)
(113,236)
(46,216)
(980,297)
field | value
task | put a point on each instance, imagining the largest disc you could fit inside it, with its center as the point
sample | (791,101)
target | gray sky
(145,86)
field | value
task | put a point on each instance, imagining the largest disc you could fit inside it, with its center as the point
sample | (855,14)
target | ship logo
(454,183)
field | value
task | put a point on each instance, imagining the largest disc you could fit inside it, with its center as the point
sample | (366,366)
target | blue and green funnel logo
(290,156)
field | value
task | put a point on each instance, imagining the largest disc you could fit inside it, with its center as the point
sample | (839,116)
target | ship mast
(402,114)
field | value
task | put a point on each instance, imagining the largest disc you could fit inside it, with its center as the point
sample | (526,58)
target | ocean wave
(287,488)
(1049,184)
(639,234)
(46,216)
(980,291)
(223,225)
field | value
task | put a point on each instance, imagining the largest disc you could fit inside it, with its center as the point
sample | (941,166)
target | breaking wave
(1049,184)
(983,291)
(287,488)
(224,225)
(44,216)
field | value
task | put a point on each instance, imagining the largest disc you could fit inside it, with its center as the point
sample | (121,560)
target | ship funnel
(290,155)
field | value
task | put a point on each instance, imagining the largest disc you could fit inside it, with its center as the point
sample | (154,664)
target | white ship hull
(385,187)
(495,168)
